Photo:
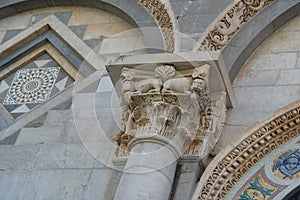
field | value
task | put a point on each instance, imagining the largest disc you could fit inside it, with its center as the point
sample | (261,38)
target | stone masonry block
(40,135)
(18,157)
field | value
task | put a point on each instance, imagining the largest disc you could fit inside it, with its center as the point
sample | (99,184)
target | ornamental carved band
(248,152)
(173,105)
(159,11)
(219,33)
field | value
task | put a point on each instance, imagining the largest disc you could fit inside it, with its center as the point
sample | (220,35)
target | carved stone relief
(159,11)
(174,104)
(210,127)
(228,23)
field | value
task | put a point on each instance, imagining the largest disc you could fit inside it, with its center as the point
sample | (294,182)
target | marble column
(149,171)
(161,117)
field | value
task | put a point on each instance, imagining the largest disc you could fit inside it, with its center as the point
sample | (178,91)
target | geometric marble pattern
(31,85)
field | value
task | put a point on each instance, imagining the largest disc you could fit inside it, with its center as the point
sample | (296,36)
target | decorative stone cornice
(228,23)
(228,167)
(176,106)
(164,19)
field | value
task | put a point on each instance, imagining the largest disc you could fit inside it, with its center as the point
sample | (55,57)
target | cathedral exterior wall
(62,144)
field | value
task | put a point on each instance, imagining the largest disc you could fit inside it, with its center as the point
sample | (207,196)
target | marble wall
(267,82)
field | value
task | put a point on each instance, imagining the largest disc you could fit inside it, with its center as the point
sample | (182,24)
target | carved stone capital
(174,105)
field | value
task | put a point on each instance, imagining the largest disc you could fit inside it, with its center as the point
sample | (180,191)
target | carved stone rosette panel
(175,105)
(159,11)
(229,170)
(228,23)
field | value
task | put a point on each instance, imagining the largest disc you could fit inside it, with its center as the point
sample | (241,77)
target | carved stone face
(198,84)
(127,75)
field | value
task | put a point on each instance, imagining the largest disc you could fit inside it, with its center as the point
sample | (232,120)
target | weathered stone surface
(92,16)
(115,112)
(188,175)
(65,184)
(10,34)
(51,156)
(64,16)
(278,95)
(105,85)
(57,118)
(105,100)
(42,179)
(15,22)
(122,45)
(271,61)
(79,156)
(194,16)
(18,157)
(40,135)
(257,78)
(287,40)
(2,34)
(250,115)
(230,133)
(289,77)
(79,30)
(10,139)
(16,185)
(70,134)
(99,182)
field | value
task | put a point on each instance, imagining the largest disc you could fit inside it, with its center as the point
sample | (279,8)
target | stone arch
(243,155)
(238,42)
(158,31)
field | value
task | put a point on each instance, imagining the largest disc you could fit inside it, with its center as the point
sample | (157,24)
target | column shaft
(149,172)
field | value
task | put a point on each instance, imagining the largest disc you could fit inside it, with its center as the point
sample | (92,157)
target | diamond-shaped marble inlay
(31,85)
